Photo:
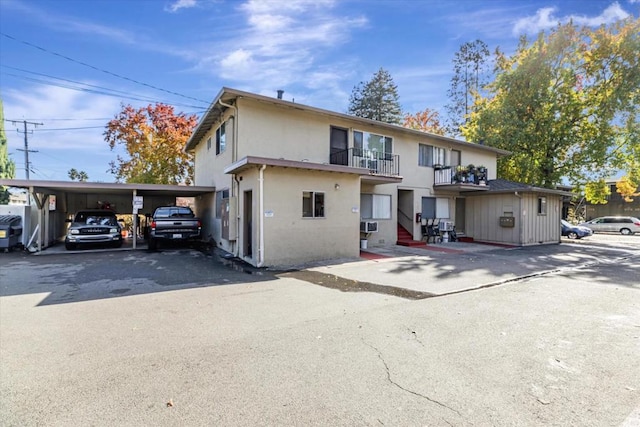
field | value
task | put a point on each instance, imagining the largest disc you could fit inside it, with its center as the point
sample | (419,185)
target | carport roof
(54,187)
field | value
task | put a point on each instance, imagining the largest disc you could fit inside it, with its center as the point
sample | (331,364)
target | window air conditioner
(369,226)
(446,225)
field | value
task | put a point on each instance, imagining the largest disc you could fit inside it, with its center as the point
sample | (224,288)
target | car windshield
(101,220)
(96,218)
(565,223)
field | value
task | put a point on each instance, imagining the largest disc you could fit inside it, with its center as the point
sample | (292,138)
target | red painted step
(406,239)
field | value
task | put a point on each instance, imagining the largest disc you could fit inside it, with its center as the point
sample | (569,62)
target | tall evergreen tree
(7,166)
(470,68)
(377,99)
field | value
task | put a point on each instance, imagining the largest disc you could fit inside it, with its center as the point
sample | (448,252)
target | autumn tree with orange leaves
(154,138)
(426,121)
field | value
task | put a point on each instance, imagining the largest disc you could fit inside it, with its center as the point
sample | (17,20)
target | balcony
(461,178)
(378,164)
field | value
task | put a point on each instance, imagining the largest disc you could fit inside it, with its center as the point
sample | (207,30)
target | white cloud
(60,150)
(181,4)
(545,19)
(283,44)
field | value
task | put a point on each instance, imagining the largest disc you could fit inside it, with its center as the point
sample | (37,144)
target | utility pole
(27,165)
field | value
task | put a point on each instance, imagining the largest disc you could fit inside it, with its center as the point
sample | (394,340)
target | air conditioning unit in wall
(446,225)
(368,226)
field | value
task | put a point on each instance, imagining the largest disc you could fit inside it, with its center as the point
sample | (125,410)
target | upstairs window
(208,143)
(366,143)
(221,139)
(428,155)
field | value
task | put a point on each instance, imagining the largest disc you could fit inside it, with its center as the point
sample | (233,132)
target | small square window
(542,205)
(312,204)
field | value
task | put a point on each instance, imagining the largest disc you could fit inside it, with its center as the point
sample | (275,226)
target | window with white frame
(428,155)
(221,139)
(442,208)
(370,143)
(312,204)
(542,205)
(375,206)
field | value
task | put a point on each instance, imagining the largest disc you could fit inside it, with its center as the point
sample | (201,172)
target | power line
(99,92)
(100,69)
(78,128)
(26,150)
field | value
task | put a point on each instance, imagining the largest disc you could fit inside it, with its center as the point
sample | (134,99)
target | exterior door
(339,143)
(460,213)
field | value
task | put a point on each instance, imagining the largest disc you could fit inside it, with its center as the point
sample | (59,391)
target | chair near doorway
(431,231)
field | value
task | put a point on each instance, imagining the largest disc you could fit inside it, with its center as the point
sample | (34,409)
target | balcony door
(339,143)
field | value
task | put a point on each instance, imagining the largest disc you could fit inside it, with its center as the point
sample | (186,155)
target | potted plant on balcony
(482,175)
(461,174)
(471,173)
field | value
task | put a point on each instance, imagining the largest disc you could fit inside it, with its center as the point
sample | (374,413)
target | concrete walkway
(447,268)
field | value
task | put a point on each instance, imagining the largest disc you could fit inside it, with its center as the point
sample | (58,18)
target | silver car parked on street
(614,224)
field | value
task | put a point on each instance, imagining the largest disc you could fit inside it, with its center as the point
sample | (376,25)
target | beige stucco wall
(291,239)
(209,166)
(267,130)
(483,214)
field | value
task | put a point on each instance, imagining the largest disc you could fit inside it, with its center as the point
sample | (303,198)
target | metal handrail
(378,163)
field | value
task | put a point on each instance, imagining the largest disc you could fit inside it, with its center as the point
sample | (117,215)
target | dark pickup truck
(173,224)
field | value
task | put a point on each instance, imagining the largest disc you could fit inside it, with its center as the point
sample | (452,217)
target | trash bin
(10,231)
(363,243)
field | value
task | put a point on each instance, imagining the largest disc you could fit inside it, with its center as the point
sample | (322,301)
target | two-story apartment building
(296,183)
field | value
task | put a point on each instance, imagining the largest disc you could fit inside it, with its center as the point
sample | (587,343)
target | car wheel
(70,246)
(572,235)
(625,231)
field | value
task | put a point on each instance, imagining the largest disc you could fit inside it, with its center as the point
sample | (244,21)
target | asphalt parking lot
(183,337)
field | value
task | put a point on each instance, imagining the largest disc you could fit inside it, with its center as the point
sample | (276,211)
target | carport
(57,200)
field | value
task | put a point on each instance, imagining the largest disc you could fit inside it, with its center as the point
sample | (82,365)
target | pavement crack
(386,366)
(415,336)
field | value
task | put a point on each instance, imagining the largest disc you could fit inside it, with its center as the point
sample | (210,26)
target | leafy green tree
(566,105)
(377,99)
(7,166)
(75,175)
(154,138)
(470,69)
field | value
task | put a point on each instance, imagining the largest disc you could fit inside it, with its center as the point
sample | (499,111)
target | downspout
(521,222)
(261,216)
(234,184)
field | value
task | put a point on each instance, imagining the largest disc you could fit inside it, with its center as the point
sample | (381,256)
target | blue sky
(70,64)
